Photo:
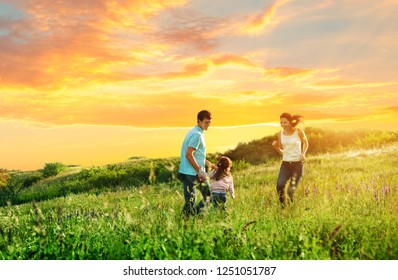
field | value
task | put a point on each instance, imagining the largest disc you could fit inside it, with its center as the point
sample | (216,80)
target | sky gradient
(94,82)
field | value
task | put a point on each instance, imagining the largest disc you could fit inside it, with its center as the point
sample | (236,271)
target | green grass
(345,208)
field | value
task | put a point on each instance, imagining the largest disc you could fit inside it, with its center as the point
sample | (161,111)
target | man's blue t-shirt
(195,139)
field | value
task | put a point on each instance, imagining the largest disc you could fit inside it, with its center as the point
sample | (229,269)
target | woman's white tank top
(291,146)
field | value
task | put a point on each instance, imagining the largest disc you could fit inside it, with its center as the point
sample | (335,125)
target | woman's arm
(278,145)
(304,142)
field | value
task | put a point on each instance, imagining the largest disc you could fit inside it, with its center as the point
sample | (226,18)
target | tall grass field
(346,207)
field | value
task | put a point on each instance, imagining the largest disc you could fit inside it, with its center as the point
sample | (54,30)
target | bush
(4,176)
(52,169)
(17,182)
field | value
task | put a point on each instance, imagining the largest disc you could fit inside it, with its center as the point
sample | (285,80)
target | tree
(52,169)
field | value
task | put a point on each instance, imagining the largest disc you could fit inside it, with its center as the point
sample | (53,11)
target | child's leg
(224,201)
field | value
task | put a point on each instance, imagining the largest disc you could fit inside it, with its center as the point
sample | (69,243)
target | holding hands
(202,174)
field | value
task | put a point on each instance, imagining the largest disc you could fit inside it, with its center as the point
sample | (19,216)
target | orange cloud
(307,99)
(204,33)
(190,70)
(194,32)
(125,62)
(258,23)
(203,65)
(287,72)
(339,83)
(393,109)
(60,44)
(225,59)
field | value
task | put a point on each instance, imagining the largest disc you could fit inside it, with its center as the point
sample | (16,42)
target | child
(222,182)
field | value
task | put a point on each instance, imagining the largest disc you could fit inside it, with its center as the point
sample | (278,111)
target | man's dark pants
(189,185)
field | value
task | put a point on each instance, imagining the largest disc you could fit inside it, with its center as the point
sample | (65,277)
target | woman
(292,144)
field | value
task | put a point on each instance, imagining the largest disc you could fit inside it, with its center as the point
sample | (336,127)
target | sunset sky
(92,82)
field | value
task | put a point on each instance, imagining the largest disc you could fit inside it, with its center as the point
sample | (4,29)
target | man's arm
(211,165)
(191,158)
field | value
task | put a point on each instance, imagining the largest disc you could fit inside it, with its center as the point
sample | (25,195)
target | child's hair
(294,120)
(222,171)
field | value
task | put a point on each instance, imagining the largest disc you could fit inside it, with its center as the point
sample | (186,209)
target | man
(193,162)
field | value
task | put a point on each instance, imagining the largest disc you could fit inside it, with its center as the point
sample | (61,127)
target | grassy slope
(345,209)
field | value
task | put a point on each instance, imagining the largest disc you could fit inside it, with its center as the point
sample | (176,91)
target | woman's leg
(283,177)
(297,169)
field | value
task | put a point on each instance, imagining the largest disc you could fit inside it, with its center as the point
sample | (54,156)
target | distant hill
(26,186)
(320,141)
